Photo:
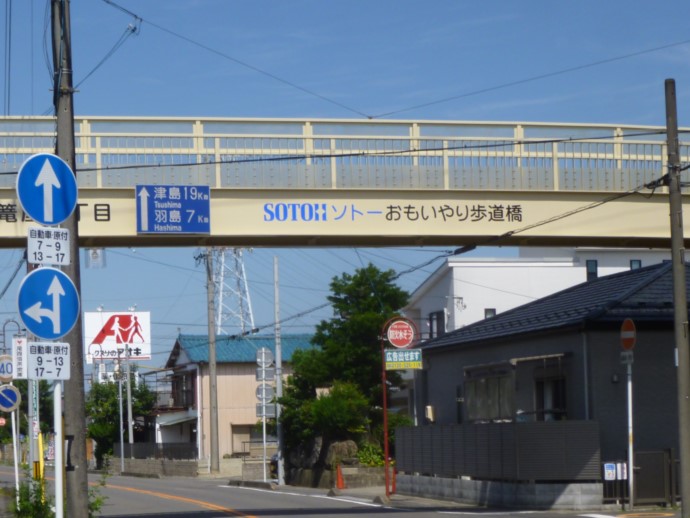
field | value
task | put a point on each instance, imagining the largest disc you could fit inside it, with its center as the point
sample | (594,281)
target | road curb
(257,484)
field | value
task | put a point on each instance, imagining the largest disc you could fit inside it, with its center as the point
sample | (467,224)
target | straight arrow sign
(47,179)
(144,209)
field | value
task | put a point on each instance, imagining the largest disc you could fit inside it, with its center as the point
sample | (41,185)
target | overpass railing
(120,152)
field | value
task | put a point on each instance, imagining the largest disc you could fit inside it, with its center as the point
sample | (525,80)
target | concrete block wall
(159,467)
(565,496)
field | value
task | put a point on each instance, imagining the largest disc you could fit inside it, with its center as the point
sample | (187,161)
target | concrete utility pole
(75,415)
(213,383)
(278,375)
(679,293)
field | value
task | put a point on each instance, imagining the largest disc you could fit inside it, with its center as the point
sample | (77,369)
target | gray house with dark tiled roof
(559,358)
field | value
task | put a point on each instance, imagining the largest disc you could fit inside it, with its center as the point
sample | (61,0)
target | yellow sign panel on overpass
(107,217)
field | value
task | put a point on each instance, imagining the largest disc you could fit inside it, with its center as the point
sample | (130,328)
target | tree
(347,357)
(103,413)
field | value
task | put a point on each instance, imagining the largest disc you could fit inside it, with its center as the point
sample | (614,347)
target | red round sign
(2,421)
(401,333)
(628,334)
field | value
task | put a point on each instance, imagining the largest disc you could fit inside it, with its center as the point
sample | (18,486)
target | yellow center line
(194,501)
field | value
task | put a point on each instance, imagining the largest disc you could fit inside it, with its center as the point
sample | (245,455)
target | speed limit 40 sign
(6,368)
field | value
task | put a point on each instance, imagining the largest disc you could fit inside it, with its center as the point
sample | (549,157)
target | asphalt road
(129,497)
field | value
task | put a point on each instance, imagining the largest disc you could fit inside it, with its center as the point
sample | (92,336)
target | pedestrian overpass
(346,182)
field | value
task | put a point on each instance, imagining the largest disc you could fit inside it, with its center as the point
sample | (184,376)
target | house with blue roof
(183,410)
(560,358)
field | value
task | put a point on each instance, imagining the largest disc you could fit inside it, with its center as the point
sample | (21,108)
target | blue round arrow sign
(9,398)
(47,189)
(48,303)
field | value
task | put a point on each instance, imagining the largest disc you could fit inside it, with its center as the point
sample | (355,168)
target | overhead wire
(535,78)
(240,62)
(330,100)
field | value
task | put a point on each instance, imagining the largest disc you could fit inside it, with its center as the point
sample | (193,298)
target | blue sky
(589,62)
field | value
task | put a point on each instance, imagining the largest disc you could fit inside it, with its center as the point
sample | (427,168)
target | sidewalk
(373,494)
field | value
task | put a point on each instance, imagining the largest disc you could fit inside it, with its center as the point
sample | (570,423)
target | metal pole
(130,417)
(386,462)
(59,445)
(680,302)
(122,432)
(631,456)
(15,440)
(263,422)
(278,374)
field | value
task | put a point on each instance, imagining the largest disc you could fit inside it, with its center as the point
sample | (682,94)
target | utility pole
(680,302)
(278,376)
(213,384)
(76,480)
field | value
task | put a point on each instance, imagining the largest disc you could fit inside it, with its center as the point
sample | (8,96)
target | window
(635,264)
(489,395)
(489,312)
(592,269)
(550,399)
(437,324)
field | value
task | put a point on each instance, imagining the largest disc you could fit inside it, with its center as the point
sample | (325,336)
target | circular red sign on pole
(628,334)
(401,333)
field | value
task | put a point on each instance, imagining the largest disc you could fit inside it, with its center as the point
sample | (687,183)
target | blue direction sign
(173,209)
(47,189)
(9,398)
(48,303)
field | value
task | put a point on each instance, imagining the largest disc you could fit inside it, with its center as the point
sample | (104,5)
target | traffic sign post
(401,333)
(48,303)
(48,361)
(173,209)
(6,368)
(628,334)
(47,189)
(19,357)
(48,246)
(10,398)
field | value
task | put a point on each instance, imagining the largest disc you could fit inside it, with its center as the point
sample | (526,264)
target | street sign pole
(59,445)
(401,333)
(631,457)
(628,340)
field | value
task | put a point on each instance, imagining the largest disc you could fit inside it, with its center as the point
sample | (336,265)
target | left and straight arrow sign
(48,303)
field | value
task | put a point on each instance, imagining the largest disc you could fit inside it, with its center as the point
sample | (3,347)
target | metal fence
(152,450)
(539,451)
(114,152)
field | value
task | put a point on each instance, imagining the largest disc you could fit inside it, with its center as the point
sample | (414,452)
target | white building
(466,289)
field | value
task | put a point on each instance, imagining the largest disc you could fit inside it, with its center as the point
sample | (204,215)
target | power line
(534,78)
(501,86)
(238,61)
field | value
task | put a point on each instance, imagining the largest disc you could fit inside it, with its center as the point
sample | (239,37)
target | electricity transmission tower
(233,303)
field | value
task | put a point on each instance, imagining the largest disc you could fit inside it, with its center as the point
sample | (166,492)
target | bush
(370,455)
(33,502)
